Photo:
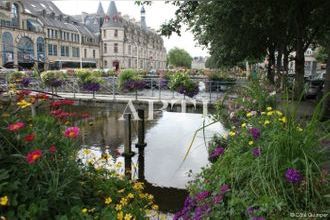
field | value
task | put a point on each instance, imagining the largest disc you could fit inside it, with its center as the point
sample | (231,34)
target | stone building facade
(125,43)
(37,32)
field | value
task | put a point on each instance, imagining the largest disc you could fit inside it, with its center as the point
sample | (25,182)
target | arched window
(7,48)
(105,48)
(115,48)
(41,51)
(15,15)
(25,51)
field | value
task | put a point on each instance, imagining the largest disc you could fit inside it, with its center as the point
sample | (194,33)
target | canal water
(168,138)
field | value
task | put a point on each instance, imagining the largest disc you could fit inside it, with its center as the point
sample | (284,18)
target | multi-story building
(125,43)
(37,32)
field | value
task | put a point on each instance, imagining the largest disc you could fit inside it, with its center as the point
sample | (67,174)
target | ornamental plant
(89,80)
(181,83)
(273,164)
(53,79)
(43,177)
(130,81)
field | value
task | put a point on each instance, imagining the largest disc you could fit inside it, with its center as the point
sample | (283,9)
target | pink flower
(16,126)
(32,156)
(71,132)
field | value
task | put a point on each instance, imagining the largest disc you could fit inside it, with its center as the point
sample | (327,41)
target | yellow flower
(86,151)
(283,119)
(299,129)
(269,108)
(149,196)
(130,195)
(279,113)
(118,207)
(155,207)
(249,114)
(270,113)
(232,133)
(5,115)
(108,200)
(118,165)
(250,143)
(4,200)
(138,186)
(243,125)
(263,113)
(123,201)
(128,216)
(267,122)
(141,195)
(24,104)
(120,215)
(84,210)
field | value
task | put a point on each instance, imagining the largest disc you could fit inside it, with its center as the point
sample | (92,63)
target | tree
(179,58)
(237,30)
(321,55)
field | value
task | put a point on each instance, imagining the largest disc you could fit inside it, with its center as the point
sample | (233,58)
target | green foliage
(16,76)
(50,78)
(88,76)
(60,184)
(219,75)
(260,181)
(321,55)
(179,58)
(128,75)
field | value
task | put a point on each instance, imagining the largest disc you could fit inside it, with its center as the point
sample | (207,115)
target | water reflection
(168,138)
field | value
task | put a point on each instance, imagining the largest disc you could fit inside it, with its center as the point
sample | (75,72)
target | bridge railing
(155,88)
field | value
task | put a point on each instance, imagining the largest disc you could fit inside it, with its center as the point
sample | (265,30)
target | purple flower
(132,85)
(25,82)
(217,152)
(202,195)
(92,86)
(200,211)
(224,188)
(218,198)
(55,83)
(251,210)
(292,175)
(255,132)
(258,218)
(256,151)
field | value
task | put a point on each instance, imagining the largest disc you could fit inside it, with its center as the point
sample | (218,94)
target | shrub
(90,80)
(45,175)
(272,165)
(181,83)
(53,78)
(129,80)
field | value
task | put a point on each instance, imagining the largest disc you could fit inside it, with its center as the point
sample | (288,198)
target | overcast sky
(156,14)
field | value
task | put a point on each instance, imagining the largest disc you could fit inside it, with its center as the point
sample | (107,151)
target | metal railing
(155,88)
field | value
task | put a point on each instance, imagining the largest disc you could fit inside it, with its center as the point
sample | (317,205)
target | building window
(15,15)
(105,63)
(116,33)
(94,54)
(85,53)
(104,33)
(65,51)
(129,63)
(105,48)
(48,33)
(55,50)
(115,48)
(75,52)
(129,49)
(52,50)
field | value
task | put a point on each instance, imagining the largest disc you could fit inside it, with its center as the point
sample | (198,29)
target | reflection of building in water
(107,130)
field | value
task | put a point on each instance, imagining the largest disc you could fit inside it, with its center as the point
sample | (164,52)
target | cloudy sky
(156,14)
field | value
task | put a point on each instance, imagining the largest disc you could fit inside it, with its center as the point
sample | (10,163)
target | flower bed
(42,177)
(272,165)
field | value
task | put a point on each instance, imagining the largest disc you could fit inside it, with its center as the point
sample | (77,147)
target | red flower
(16,126)
(62,102)
(52,149)
(30,137)
(32,156)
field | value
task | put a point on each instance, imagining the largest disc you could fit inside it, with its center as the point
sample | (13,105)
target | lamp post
(137,55)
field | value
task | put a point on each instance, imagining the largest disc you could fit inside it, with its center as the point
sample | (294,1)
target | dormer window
(15,15)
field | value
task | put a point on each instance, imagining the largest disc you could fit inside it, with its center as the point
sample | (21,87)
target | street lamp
(80,45)
(137,55)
